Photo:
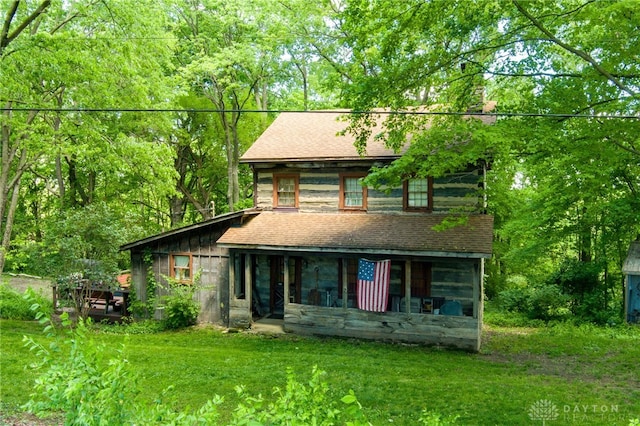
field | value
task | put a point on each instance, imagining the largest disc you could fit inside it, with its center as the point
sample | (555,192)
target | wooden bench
(98,298)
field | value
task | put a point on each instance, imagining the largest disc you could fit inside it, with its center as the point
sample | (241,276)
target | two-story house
(328,255)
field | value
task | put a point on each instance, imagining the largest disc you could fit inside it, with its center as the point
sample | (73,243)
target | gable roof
(316,136)
(313,135)
(359,233)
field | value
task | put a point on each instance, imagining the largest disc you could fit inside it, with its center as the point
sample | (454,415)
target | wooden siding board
(460,332)
(471,177)
(319,191)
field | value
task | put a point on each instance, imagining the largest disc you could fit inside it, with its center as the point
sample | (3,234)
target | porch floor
(268,326)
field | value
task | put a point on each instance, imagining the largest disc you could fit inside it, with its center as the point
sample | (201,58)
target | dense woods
(124,118)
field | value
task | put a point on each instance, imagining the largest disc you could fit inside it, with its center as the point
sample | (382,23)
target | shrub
(180,310)
(577,278)
(547,303)
(16,306)
(595,308)
(514,300)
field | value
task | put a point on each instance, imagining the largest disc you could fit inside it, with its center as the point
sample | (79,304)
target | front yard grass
(589,374)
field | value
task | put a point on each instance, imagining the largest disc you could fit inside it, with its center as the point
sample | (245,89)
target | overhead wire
(344,111)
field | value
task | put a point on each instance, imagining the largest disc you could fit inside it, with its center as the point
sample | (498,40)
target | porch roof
(401,234)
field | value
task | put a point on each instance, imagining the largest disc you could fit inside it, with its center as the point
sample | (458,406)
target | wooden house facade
(188,255)
(297,255)
(298,259)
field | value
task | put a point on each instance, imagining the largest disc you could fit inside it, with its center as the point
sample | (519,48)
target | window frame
(343,177)
(405,196)
(296,189)
(172,267)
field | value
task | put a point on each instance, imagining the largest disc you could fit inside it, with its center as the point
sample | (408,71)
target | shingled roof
(308,136)
(362,233)
(316,136)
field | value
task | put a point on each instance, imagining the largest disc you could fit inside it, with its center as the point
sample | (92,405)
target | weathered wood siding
(454,281)
(440,330)
(457,190)
(319,192)
(210,262)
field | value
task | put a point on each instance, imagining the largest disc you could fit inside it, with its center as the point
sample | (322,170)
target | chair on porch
(452,307)
(415,305)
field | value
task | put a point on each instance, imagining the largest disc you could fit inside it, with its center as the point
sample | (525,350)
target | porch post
(233,288)
(407,286)
(345,284)
(285,280)
(248,279)
(477,289)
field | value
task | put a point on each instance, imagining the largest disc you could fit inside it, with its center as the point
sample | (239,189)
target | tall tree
(76,54)
(227,59)
(568,67)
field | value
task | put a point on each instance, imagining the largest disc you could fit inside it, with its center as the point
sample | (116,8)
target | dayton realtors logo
(546,411)
(543,410)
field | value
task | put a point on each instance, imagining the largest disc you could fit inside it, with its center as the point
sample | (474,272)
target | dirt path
(21,282)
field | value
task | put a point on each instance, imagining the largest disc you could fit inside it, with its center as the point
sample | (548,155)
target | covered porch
(434,297)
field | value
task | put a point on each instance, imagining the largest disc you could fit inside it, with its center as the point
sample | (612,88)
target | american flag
(373,284)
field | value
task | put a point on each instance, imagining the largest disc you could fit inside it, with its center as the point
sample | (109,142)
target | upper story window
(418,194)
(181,267)
(353,194)
(285,190)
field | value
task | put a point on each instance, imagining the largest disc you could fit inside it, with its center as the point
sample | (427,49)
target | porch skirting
(438,330)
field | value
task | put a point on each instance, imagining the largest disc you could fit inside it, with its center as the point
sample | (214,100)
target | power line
(354,112)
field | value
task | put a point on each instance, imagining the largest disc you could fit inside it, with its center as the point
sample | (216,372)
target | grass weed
(576,368)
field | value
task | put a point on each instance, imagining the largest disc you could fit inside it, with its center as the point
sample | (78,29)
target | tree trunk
(6,237)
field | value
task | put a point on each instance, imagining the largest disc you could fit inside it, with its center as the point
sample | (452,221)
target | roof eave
(192,227)
(362,250)
(317,159)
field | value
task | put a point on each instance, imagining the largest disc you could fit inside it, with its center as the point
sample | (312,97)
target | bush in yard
(548,302)
(180,310)
(544,302)
(514,300)
(16,306)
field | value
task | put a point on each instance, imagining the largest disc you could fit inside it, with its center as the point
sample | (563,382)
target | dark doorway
(276,293)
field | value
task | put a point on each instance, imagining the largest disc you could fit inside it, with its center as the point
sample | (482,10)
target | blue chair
(452,307)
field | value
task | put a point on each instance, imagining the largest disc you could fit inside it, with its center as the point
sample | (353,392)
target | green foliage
(180,308)
(15,306)
(545,302)
(94,386)
(576,278)
(145,308)
(297,404)
(548,303)
(429,418)
(528,363)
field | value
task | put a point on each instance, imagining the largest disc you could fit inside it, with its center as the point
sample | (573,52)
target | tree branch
(580,53)
(7,23)
(7,38)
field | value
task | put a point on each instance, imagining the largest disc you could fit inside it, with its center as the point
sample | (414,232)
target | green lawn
(589,374)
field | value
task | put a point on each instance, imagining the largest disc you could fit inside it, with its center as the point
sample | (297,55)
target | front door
(276,293)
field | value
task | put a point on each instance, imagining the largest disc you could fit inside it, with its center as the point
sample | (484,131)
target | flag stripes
(373,284)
